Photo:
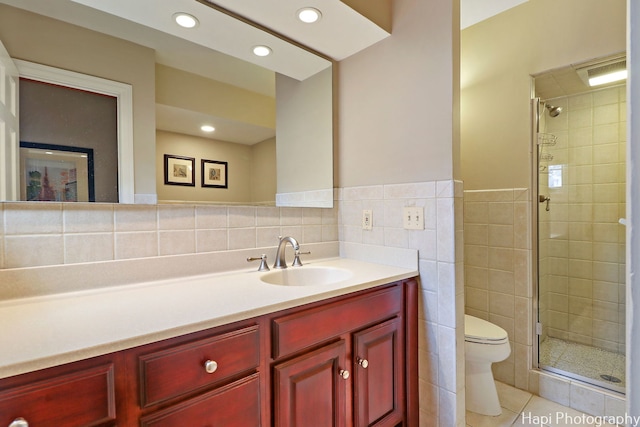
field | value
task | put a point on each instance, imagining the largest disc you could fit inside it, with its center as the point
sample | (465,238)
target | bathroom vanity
(340,355)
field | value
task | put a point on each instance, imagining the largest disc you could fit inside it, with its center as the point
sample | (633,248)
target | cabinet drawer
(83,398)
(306,328)
(176,371)
(236,404)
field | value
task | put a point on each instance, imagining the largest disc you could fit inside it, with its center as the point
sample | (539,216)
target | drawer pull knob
(363,362)
(19,422)
(344,374)
(210,366)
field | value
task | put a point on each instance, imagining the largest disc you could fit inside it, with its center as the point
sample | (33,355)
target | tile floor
(586,361)
(520,408)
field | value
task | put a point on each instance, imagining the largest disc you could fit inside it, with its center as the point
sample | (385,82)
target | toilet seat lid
(480,331)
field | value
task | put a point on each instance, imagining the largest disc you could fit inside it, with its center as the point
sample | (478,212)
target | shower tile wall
(497,241)
(582,245)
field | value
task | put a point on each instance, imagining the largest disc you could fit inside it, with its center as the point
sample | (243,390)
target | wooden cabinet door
(310,390)
(378,375)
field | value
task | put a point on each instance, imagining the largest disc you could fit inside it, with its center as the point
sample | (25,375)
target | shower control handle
(542,199)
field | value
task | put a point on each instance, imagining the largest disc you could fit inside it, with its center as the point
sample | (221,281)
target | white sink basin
(306,276)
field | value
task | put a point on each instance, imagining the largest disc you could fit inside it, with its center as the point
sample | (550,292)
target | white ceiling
(474,11)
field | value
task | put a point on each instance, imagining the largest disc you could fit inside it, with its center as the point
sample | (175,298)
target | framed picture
(56,173)
(214,174)
(179,170)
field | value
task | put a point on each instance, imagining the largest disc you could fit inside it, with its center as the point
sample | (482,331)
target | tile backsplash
(41,234)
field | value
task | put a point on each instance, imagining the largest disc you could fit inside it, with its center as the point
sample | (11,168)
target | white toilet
(484,344)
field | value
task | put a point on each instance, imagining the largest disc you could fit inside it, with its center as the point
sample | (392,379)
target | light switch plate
(413,218)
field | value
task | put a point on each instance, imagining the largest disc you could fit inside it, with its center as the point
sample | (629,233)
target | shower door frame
(535,256)
(536,324)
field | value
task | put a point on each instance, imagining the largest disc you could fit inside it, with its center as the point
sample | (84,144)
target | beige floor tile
(505,419)
(522,409)
(541,411)
(512,398)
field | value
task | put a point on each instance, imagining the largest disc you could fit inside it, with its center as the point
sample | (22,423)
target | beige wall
(192,92)
(263,172)
(242,166)
(397,109)
(497,58)
(74,48)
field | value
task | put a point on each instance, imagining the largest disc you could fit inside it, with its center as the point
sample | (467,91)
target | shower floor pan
(586,363)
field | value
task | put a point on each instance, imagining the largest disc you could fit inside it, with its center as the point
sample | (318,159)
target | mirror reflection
(173,96)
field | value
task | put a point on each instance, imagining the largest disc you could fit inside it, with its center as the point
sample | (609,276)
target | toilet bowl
(484,344)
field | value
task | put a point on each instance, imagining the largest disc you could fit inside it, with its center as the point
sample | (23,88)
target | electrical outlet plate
(413,218)
(367,220)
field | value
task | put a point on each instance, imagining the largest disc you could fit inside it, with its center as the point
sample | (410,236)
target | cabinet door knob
(19,422)
(344,374)
(363,362)
(210,366)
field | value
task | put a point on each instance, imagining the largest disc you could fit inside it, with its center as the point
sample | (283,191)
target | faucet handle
(296,259)
(263,262)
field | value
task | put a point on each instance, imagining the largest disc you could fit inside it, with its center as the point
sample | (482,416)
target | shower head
(553,111)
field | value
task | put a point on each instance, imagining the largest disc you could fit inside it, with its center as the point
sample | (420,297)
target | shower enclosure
(580,138)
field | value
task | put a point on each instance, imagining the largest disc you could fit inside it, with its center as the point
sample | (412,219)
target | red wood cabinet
(346,361)
(342,363)
(237,405)
(379,375)
(180,369)
(81,396)
(310,390)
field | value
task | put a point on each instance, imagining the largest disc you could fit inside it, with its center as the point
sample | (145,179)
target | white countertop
(44,331)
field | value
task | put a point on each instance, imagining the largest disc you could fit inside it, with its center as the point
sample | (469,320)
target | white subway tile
(88,218)
(33,250)
(32,218)
(92,247)
(176,242)
(175,217)
(138,244)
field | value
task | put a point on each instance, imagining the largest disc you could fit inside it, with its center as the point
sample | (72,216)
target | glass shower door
(581,248)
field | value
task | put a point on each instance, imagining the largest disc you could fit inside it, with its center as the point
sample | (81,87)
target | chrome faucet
(280,261)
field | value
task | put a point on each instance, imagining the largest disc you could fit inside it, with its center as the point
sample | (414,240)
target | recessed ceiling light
(185,20)
(262,50)
(207,128)
(309,15)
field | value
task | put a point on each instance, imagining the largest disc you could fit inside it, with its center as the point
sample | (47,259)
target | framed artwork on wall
(179,170)
(56,173)
(214,174)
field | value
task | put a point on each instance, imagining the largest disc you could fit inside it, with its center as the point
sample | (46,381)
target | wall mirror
(272,115)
